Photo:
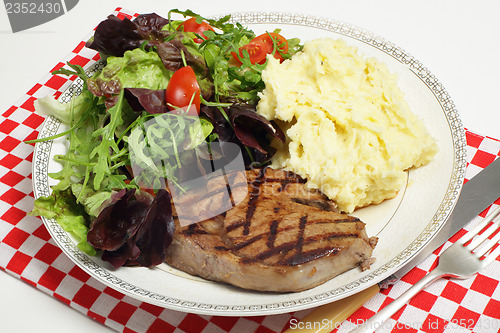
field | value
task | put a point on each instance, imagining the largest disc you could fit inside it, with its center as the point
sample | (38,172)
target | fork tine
(487,245)
(468,236)
(479,239)
(491,257)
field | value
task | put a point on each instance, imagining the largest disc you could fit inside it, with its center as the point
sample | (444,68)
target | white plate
(404,225)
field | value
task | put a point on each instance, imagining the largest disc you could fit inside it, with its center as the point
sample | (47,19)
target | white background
(457,40)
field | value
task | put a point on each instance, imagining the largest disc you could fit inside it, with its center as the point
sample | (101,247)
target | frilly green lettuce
(67,113)
(62,207)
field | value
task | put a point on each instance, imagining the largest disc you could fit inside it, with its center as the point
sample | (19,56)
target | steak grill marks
(300,237)
(289,233)
(297,245)
(252,202)
(255,192)
(228,188)
(299,256)
(228,183)
(273,230)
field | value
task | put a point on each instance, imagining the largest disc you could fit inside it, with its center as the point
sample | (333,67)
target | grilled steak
(281,237)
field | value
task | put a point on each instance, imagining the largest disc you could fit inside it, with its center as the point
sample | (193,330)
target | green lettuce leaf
(67,113)
(136,69)
(62,207)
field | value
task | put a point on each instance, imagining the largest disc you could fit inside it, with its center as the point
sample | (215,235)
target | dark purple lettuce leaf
(171,54)
(119,257)
(150,25)
(117,222)
(134,229)
(247,122)
(153,101)
(246,128)
(156,233)
(221,126)
(114,36)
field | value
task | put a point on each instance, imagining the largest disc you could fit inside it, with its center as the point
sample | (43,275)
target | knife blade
(476,195)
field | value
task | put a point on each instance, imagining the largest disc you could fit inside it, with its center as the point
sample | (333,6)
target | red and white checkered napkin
(28,252)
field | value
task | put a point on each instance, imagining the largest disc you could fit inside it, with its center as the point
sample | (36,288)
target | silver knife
(476,195)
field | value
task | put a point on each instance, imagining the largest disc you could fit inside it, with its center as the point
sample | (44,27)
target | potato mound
(349,130)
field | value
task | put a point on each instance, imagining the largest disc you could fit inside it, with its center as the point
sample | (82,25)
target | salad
(165,84)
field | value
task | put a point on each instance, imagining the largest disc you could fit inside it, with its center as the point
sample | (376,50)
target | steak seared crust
(282,237)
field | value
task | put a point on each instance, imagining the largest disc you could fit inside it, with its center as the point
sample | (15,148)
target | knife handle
(326,318)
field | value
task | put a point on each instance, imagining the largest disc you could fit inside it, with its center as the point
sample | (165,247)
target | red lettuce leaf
(119,257)
(117,222)
(221,126)
(150,25)
(156,233)
(171,54)
(114,36)
(246,128)
(134,229)
(247,123)
(152,101)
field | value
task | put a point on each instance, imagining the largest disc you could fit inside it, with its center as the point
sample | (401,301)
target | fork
(472,252)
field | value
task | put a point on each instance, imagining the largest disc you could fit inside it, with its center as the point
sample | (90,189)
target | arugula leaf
(108,144)
(76,162)
(220,23)
(93,155)
(76,70)
(157,144)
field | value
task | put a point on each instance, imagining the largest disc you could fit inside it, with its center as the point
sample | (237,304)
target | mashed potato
(349,131)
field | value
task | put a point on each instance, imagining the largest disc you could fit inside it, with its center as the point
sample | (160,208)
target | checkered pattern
(28,252)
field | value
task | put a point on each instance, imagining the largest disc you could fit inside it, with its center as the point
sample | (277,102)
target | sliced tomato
(190,25)
(256,52)
(262,45)
(183,91)
(267,39)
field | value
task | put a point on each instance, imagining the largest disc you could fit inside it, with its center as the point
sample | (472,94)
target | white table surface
(457,40)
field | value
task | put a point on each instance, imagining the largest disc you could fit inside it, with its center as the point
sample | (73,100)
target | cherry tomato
(180,91)
(266,39)
(262,45)
(190,25)
(256,52)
